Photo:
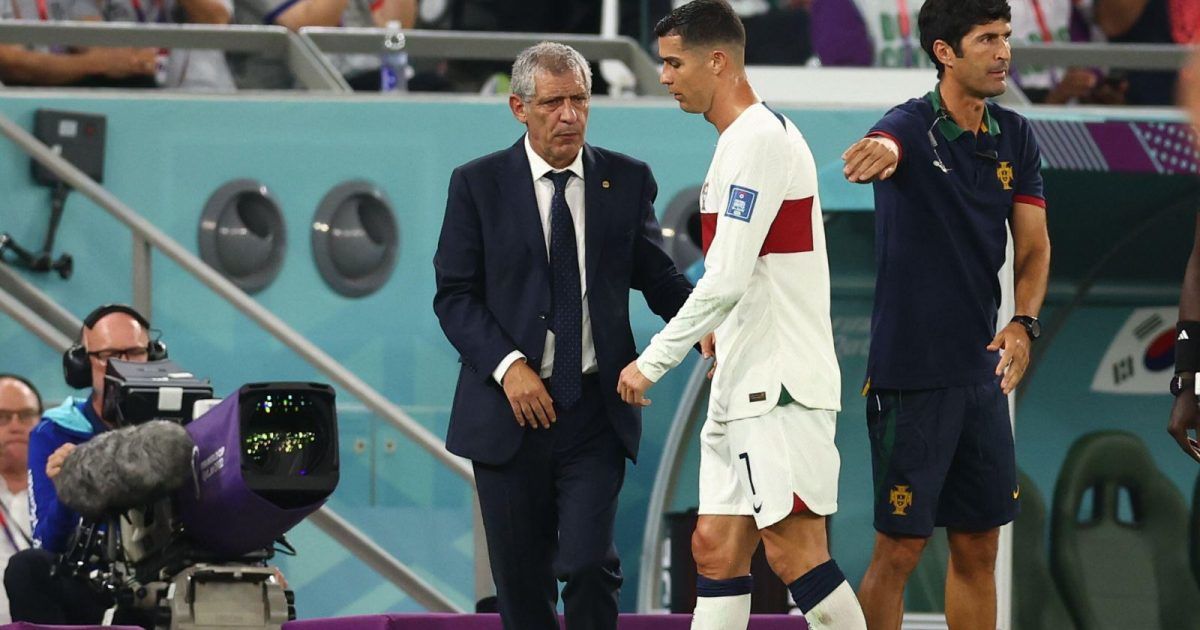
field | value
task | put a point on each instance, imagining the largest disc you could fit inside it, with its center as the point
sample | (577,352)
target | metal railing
(1123,56)
(311,69)
(303,51)
(490,46)
(146,236)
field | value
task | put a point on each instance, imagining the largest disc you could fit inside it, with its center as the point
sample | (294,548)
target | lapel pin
(605,184)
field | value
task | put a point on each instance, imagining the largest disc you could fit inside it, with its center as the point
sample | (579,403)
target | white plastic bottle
(393,62)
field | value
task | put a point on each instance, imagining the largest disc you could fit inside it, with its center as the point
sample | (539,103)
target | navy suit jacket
(493,285)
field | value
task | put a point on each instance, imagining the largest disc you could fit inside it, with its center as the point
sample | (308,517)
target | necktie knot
(559,179)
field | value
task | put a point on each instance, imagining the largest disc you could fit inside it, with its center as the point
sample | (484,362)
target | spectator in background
(20,408)
(1036,21)
(200,70)
(880,33)
(87,67)
(270,72)
(1147,22)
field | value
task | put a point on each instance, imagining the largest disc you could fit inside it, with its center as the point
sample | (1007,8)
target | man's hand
(122,63)
(708,348)
(1185,418)
(632,385)
(54,463)
(527,394)
(1076,83)
(1013,340)
(870,159)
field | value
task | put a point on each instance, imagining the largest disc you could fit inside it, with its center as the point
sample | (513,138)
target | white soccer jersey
(765,289)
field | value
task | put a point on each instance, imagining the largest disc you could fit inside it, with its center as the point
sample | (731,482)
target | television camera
(184,503)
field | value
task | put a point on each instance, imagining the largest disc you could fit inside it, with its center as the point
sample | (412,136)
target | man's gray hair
(552,57)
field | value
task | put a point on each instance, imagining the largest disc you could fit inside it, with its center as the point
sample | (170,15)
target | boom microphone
(125,468)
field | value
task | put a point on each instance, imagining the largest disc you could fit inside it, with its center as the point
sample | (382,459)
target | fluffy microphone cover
(125,468)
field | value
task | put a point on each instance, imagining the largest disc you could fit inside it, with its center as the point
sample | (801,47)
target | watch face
(1035,327)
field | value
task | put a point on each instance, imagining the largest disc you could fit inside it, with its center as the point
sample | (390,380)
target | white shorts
(757,466)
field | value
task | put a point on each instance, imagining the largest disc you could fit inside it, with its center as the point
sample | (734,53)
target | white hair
(552,57)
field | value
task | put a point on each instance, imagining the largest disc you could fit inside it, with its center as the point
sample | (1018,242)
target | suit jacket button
(542,316)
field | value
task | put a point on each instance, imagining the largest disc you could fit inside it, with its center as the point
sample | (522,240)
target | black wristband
(1187,346)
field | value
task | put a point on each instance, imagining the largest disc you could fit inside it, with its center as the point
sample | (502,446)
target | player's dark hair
(951,20)
(703,23)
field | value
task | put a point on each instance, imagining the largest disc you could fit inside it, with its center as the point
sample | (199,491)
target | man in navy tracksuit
(112,331)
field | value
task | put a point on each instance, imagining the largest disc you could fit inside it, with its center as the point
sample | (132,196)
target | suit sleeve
(52,521)
(460,274)
(754,181)
(654,273)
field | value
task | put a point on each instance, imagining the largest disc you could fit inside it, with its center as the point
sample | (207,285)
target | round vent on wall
(681,228)
(242,234)
(355,238)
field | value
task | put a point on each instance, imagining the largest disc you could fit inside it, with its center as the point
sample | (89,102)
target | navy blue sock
(813,587)
(706,587)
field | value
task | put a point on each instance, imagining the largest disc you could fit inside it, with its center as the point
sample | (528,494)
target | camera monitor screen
(289,441)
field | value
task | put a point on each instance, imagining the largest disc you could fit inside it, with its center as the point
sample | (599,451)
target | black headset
(78,371)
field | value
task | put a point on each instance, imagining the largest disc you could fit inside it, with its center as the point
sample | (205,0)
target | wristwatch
(1182,383)
(1032,325)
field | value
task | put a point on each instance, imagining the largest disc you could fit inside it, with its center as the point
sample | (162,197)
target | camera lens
(283,436)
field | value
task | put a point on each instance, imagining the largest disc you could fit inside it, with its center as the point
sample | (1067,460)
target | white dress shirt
(543,190)
(17,521)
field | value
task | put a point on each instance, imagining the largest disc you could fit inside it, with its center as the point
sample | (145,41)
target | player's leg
(881,591)
(722,546)
(724,539)
(798,552)
(913,437)
(971,580)
(980,495)
(789,470)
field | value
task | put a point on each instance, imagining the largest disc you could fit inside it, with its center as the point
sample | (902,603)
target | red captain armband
(1187,347)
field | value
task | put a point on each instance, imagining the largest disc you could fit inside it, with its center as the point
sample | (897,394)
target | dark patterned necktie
(566,300)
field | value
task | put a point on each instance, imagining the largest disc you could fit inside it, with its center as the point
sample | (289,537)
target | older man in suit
(542,325)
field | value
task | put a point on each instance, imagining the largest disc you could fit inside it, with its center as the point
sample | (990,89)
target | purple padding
(443,621)
(21,625)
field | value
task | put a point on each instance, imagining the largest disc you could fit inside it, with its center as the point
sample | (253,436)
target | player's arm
(877,156)
(871,159)
(1185,415)
(750,201)
(1031,269)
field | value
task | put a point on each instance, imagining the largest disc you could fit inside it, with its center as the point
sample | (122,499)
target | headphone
(77,370)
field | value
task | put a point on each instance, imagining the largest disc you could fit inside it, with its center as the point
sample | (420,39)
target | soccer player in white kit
(768,463)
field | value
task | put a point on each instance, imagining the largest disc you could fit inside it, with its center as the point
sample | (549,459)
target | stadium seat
(1117,571)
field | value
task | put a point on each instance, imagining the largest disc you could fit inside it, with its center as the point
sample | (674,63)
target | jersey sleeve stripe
(1031,200)
(790,233)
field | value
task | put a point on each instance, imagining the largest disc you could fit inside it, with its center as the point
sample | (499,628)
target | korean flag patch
(741,203)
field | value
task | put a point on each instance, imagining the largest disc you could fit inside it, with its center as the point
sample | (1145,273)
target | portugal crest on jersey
(1005,174)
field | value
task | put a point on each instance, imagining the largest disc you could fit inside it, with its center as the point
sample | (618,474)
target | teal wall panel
(166,155)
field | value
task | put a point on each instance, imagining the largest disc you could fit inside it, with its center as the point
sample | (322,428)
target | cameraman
(35,592)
